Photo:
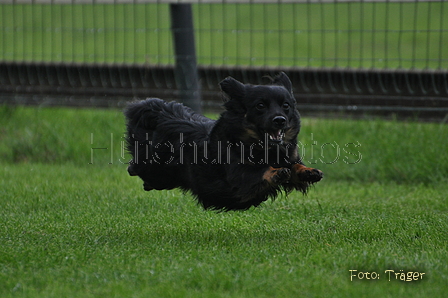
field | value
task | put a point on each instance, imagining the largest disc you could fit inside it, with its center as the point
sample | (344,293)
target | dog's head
(268,111)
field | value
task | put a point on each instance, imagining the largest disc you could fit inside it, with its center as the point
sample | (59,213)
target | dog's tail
(141,122)
(144,113)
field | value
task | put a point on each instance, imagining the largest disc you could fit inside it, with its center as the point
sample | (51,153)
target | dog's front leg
(276,176)
(301,173)
(268,185)
(255,183)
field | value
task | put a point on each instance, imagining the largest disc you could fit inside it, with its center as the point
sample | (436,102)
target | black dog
(248,155)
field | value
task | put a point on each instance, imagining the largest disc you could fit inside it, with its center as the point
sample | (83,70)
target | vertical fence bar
(361,35)
(428,35)
(186,68)
(441,31)
(400,37)
(414,35)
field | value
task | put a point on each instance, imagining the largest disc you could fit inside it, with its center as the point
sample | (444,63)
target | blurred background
(356,58)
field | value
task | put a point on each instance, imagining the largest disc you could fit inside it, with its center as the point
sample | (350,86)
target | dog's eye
(286,106)
(261,106)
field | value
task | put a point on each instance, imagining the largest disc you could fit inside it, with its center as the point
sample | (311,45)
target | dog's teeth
(279,135)
(276,136)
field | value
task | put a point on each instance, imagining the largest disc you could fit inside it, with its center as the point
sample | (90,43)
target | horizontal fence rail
(418,93)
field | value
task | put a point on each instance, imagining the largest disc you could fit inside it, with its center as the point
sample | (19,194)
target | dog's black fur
(238,161)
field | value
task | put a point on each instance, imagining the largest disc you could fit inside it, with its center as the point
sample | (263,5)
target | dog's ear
(235,92)
(233,88)
(282,80)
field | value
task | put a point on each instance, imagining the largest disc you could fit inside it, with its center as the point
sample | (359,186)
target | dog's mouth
(276,136)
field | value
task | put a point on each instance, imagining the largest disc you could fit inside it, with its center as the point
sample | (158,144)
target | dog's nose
(279,122)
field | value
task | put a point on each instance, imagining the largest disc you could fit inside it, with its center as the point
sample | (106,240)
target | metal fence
(358,57)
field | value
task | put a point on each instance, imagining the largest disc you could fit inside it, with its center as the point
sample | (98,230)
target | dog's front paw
(276,176)
(282,175)
(311,175)
(307,174)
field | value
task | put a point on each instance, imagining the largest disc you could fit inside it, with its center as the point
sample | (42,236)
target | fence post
(186,72)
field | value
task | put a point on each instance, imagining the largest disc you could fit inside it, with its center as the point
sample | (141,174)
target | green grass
(363,150)
(73,229)
(380,35)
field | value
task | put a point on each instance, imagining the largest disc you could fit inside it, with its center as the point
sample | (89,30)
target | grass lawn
(73,229)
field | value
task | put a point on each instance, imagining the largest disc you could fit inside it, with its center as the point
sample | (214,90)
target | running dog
(248,155)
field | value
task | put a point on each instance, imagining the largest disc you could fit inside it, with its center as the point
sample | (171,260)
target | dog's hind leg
(159,177)
(147,186)
(131,170)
